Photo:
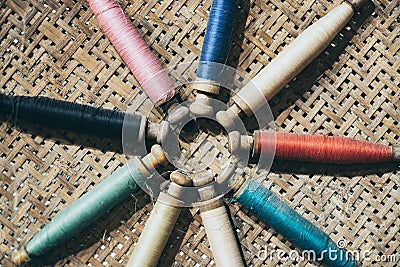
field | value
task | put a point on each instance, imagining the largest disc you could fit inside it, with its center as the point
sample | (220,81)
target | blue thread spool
(215,49)
(273,211)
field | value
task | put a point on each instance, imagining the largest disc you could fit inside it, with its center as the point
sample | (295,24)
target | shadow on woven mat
(350,170)
(310,75)
(70,138)
(236,45)
(88,242)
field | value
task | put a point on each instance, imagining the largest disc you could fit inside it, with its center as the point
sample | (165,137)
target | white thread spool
(219,230)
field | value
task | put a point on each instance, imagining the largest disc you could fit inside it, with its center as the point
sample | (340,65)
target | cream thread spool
(219,230)
(287,64)
(159,225)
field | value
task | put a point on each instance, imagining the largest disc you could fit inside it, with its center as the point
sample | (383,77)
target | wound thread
(155,235)
(292,60)
(85,210)
(218,38)
(133,50)
(69,116)
(273,211)
(321,148)
(221,237)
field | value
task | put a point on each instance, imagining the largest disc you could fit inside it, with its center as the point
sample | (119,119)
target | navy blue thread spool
(301,232)
(215,49)
(80,119)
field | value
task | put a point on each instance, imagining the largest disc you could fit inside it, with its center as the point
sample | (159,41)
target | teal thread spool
(91,206)
(273,211)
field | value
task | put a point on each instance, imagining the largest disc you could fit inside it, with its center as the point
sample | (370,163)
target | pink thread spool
(133,50)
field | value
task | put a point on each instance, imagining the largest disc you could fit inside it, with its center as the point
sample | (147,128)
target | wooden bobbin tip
(396,153)
(159,155)
(180,178)
(20,257)
(206,86)
(238,144)
(234,142)
(227,119)
(201,106)
(178,114)
(356,4)
(164,132)
(203,180)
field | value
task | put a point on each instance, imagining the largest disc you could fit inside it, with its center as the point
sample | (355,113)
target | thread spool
(133,50)
(159,225)
(215,49)
(69,116)
(91,206)
(219,230)
(288,63)
(274,212)
(321,148)
(155,234)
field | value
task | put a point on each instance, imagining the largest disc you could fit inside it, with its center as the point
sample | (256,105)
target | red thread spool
(321,148)
(133,50)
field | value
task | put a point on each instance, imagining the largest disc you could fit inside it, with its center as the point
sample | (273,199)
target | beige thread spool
(219,231)
(287,64)
(157,231)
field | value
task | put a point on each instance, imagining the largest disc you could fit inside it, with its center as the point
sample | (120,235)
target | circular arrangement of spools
(200,145)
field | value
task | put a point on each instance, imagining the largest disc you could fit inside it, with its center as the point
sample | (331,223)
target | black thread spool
(82,120)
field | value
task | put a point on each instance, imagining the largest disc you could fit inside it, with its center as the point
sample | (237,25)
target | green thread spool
(91,206)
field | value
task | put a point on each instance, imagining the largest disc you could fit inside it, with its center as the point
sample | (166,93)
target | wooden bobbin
(178,114)
(203,180)
(180,178)
(226,174)
(206,86)
(396,153)
(289,63)
(20,257)
(159,131)
(238,143)
(201,106)
(228,118)
(147,164)
(160,224)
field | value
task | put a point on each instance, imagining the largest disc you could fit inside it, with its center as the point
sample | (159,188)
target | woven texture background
(56,49)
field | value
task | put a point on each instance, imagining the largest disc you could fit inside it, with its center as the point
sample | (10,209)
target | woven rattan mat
(55,49)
